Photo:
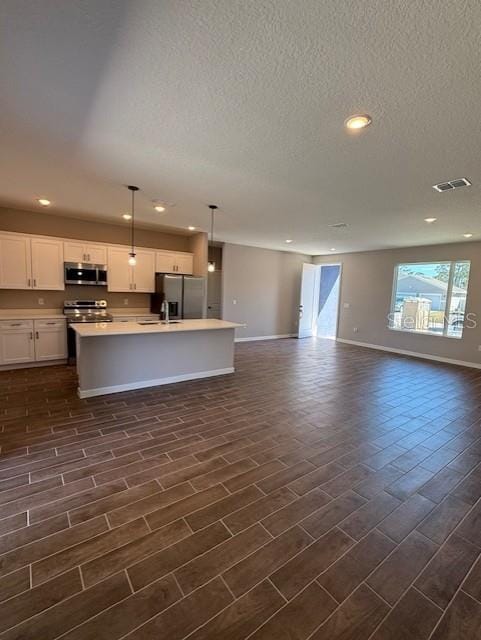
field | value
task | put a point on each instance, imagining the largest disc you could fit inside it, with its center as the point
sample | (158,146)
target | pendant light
(132,258)
(211,263)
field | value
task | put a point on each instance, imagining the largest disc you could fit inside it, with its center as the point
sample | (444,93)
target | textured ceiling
(242,103)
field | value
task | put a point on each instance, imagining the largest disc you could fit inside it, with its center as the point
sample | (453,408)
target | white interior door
(306,304)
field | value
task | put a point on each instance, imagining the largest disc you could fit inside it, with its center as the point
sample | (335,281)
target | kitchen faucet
(164,312)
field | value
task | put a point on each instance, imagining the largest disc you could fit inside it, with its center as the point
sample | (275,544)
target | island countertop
(88,330)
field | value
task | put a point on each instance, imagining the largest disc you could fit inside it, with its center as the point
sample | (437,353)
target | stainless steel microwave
(83,273)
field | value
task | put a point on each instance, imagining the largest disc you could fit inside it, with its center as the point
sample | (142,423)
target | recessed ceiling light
(332,249)
(430,220)
(44,202)
(159,208)
(468,235)
(191,228)
(126,216)
(288,241)
(358,121)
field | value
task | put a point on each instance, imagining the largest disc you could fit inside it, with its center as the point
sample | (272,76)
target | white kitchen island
(120,356)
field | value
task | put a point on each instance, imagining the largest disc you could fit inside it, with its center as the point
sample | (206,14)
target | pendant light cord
(132,228)
(132,190)
(212,208)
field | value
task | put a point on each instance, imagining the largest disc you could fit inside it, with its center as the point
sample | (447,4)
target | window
(430,297)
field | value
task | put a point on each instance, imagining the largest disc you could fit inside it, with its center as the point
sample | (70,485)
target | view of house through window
(430,297)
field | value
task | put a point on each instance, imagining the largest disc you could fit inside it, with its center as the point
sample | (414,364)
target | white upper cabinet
(47,264)
(85,252)
(122,277)
(37,262)
(185,263)
(143,274)
(119,272)
(31,263)
(174,262)
(15,262)
(96,253)
(74,251)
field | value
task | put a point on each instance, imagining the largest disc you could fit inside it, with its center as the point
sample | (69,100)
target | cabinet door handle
(34,283)
(16,324)
(31,335)
(28,282)
(88,257)
(135,285)
(50,323)
(36,335)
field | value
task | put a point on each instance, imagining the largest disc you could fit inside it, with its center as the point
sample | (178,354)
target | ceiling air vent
(452,184)
(339,225)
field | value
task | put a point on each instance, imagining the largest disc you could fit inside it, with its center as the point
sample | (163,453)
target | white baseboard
(277,337)
(413,354)
(143,384)
(32,365)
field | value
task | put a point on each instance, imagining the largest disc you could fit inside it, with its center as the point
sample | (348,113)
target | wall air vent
(452,184)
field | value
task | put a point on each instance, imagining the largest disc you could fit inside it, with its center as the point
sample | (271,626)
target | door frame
(332,264)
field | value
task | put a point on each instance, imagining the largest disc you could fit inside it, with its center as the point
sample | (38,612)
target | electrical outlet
(126,301)
(355,329)
(346,305)
(234,301)
(479,347)
(41,301)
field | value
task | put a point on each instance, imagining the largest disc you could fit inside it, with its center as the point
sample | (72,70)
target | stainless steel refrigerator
(185,295)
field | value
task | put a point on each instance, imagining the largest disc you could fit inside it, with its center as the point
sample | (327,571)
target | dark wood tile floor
(322,491)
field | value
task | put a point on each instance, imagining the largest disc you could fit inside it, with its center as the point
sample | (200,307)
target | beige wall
(198,245)
(366,285)
(15,299)
(65,227)
(266,286)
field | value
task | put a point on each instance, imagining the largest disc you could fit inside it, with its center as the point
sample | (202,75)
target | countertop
(30,314)
(88,330)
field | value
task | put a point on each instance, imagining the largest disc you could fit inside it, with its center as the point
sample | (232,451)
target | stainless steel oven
(83,273)
(83,311)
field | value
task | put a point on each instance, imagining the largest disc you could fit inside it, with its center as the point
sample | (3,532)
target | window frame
(452,267)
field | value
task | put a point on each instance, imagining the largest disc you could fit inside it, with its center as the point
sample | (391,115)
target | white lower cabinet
(23,341)
(17,343)
(50,340)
